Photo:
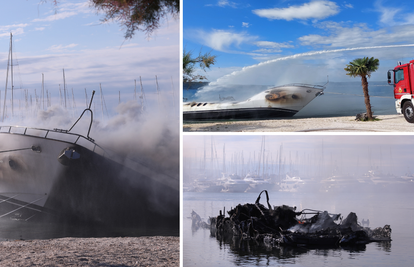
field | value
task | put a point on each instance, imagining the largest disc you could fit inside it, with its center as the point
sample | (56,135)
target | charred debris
(284,226)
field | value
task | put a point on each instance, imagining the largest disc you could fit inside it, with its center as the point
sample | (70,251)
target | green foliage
(135,15)
(203,61)
(362,67)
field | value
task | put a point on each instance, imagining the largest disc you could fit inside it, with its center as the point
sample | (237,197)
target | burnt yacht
(279,101)
(64,175)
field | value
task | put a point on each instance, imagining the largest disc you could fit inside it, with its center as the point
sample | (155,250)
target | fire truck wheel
(408,111)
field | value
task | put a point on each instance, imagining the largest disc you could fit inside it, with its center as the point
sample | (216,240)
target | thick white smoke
(145,134)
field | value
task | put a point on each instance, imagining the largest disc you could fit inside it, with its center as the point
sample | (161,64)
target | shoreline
(385,123)
(119,251)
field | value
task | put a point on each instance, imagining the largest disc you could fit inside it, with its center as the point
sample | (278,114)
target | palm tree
(363,67)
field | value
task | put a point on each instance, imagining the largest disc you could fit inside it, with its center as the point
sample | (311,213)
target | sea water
(339,99)
(381,208)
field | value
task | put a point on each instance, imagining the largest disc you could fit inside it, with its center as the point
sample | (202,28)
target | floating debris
(197,222)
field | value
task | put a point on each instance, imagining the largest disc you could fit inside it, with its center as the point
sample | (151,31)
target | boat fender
(13,164)
(68,155)
(36,149)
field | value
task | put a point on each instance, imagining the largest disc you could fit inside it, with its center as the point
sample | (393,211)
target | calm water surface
(393,208)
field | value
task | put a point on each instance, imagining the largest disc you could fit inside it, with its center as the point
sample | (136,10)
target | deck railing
(56,135)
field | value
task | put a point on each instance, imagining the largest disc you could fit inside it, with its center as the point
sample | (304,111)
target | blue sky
(297,40)
(71,36)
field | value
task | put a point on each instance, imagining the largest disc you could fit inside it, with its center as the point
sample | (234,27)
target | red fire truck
(403,76)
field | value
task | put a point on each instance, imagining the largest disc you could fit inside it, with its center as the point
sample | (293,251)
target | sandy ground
(385,123)
(126,251)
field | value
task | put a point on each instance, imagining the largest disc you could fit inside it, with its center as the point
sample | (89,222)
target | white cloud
(391,16)
(311,10)
(9,27)
(222,40)
(387,14)
(67,10)
(269,48)
(15,32)
(224,3)
(60,48)
(273,44)
(245,24)
(16,29)
(358,35)
(39,29)
(57,16)
(347,5)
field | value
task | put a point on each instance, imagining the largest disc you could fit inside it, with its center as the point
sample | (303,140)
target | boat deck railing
(56,135)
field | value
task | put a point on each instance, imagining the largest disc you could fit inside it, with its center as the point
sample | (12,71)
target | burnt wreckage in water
(282,225)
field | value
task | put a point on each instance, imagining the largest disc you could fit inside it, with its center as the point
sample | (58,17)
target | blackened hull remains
(242,113)
(67,177)
(282,101)
(107,192)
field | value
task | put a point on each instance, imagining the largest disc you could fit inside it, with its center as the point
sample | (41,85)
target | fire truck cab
(402,77)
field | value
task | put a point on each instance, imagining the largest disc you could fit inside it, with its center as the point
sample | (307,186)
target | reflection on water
(202,249)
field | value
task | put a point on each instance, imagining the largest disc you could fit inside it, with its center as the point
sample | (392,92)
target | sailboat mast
(142,97)
(100,90)
(280,161)
(64,86)
(224,158)
(73,100)
(135,90)
(158,92)
(264,155)
(86,98)
(11,68)
(7,78)
(43,91)
(172,89)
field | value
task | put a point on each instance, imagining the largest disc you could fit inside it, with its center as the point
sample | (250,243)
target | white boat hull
(283,101)
(27,175)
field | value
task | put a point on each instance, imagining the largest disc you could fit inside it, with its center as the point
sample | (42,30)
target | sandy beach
(385,123)
(125,251)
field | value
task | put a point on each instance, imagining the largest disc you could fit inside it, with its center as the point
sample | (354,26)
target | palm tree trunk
(366,96)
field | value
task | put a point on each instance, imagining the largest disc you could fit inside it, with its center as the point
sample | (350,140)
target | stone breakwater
(122,251)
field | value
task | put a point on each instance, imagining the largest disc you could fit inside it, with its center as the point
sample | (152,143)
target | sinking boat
(280,101)
(282,225)
(64,175)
